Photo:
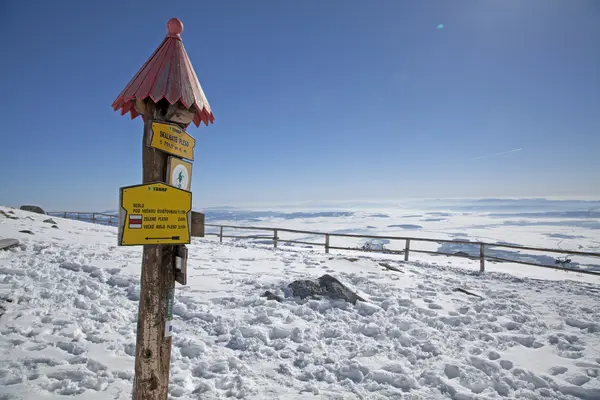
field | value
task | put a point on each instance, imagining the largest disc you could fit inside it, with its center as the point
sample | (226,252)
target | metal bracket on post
(181,257)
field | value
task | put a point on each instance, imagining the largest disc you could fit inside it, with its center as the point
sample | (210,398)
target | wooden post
(153,349)
(327,243)
(275,238)
(481,258)
(167,96)
(406,249)
(65,215)
(221,234)
(110,220)
(93,218)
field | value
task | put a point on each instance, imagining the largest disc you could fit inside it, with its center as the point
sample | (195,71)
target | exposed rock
(7,216)
(466,292)
(50,221)
(305,288)
(325,286)
(390,267)
(271,296)
(3,304)
(35,209)
(6,244)
(55,226)
(27,231)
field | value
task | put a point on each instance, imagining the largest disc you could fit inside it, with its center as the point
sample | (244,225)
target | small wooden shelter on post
(166,93)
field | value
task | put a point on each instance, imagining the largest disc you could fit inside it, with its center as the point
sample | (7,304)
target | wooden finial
(174,28)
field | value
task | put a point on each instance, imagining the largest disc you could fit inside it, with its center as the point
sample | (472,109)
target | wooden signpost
(158,213)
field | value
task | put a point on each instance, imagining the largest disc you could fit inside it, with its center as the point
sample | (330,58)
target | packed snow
(69,296)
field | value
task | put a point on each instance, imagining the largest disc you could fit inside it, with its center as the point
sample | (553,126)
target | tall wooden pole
(166,91)
(153,349)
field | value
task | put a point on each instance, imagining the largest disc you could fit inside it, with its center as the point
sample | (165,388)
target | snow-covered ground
(71,296)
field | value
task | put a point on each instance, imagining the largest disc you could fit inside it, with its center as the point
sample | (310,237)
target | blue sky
(313,100)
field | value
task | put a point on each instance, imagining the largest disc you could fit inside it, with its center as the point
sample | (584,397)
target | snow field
(69,329)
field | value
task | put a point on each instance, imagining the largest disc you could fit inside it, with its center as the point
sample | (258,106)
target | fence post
(327,243)
(65,215)
(406,249)
(93,218)
(275,238)
(221,235)
(481,258)
(78,216)
(110,220)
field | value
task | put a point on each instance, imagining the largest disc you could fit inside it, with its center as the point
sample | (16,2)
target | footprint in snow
(578,380)
(558,370)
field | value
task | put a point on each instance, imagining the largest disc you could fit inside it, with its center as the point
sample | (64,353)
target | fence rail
(482,257)
(95,217)
(111,219)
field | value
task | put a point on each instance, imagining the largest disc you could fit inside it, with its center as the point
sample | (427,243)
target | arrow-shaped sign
(163,238)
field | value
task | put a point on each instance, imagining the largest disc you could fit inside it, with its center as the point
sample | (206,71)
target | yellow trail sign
(171,139)
(154,213)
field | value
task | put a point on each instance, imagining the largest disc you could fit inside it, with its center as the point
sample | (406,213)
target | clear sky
(313,100)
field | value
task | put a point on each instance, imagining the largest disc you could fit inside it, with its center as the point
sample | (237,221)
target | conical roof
(168,74)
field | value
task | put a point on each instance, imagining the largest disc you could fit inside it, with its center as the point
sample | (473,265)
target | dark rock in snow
(55,226)
(27,231)
(50,221)
(6,244)
(271,296)
(325,286)
(3,304)
(305,288)
(390,267)
(35,209)
(8,216)
(466,292)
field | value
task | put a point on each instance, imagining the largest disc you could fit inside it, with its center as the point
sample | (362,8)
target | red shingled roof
(168,74)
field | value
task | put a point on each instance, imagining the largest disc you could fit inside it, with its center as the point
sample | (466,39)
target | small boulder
(26,231)
(4,304)
(305,288)
(325,286)
(35,209)
(6,244)
(6,215)
(271,296)
(50,221)
(337,290)
(55,226)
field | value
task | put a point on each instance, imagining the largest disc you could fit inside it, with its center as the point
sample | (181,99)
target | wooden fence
(113,220)
(108,219)
(407,249)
